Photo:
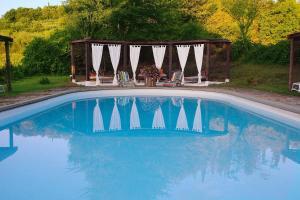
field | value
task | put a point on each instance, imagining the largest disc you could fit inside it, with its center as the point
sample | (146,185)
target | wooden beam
(207,61)
(228,55)
(125,55)
(87,70)
(291,63)
(170,60)
(5,39)
(8,67)
(72,62)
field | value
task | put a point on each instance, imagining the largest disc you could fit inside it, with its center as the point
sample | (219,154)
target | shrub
(44,56)
(44,81)
(261,54)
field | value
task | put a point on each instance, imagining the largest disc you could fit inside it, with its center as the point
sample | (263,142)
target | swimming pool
(109,145)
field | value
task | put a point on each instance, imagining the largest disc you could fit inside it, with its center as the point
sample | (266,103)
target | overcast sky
(6,5)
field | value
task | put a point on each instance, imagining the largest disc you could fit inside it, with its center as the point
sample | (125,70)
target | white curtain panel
(114,52)
(134,116)
(199,49)
(181,120)
(158,120)
(98,125)
(115,121)
(97,50)
(183,53)
(159,55)
(197,126)
(134,58)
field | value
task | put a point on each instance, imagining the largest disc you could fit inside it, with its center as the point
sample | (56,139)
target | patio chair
(175,80)
(123,79)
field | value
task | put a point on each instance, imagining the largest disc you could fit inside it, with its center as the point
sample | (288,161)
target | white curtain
(183,53)
(159,54)
(115,121)
(134,116)
(199,49)
(114,52)
(158,120)
(97,50)
(134,59)
(197,126)
(181,120)
(97,118)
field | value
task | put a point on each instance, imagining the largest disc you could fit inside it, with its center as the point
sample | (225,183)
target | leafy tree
(244,13)
(43,56)
(279,20)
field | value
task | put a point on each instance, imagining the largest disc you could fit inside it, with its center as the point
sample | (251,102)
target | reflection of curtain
(134,116)
(115,121)
(158,120)
(199,58)
(97,119)
(183,53)
(114,52)
(159,54)
(97,50)
(197,126)
(181,120)
(134,59)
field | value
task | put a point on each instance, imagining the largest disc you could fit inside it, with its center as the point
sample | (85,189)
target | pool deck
(288,103)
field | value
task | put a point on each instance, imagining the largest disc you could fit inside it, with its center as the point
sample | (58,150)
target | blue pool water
(148,148)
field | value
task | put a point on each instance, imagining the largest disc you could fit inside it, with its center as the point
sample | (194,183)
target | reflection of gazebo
(294,72)
(8,151)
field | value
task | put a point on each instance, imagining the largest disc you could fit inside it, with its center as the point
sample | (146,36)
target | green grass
(32,84)
(271,78)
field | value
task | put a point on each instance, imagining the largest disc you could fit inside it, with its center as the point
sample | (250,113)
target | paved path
(289,103)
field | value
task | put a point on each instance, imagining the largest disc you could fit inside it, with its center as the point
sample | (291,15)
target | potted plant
(151,75)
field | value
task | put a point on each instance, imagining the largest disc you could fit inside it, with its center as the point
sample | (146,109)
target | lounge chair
(123,79)
(296,87)
(175,80)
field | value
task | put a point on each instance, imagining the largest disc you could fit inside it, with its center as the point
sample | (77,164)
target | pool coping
(279,105)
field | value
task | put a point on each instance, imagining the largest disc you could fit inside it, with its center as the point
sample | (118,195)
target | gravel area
(289,103)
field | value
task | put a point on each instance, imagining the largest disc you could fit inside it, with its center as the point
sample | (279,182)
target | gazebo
(207,60)
(7,41)
(294,71)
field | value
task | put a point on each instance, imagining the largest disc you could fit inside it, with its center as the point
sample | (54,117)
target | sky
(6,5)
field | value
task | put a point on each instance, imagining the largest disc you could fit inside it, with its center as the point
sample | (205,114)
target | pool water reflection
(149,148)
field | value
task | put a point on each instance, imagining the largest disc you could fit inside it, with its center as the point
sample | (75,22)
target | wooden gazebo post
(7,40)
(294,59)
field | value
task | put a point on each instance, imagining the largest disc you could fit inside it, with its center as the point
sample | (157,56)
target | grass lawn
(271,78)
(32,84)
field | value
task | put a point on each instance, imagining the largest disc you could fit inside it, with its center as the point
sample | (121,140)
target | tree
(278,21)
(244,13)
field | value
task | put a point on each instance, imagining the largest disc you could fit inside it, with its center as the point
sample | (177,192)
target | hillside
(24,24)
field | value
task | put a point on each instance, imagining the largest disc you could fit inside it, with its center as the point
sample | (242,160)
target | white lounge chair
(296,87)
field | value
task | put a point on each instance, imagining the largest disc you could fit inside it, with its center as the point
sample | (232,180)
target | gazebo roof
(294,35)
(5,39)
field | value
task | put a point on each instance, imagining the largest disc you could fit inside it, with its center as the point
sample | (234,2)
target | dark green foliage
(272,54)
(44,81)
(45,56)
